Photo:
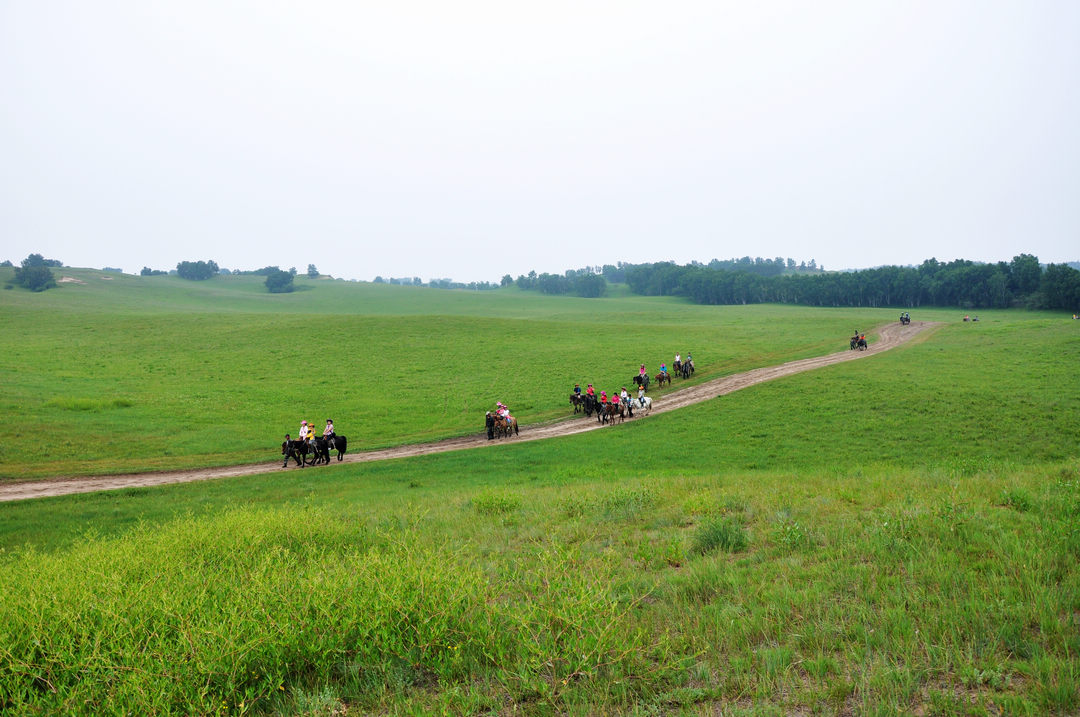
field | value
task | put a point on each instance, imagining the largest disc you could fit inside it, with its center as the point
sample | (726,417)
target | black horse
(590,404)
(320,447)
(297,450)
(687,369)
(858,342)
(339,444)
(641,380)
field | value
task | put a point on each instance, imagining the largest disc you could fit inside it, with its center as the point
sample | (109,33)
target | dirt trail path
(888,337)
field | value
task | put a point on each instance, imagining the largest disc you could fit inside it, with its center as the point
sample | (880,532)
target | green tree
(196,270)
(312,272)
(590,286)
(1024,274)
(280,282)
(35,274)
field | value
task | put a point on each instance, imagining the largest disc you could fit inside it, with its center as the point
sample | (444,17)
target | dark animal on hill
(320,447)
(339,444)
(297,450)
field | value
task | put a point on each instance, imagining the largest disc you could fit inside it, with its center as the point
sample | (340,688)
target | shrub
(279,282)
(34,274)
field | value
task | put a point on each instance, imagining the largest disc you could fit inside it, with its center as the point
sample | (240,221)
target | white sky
(468,139)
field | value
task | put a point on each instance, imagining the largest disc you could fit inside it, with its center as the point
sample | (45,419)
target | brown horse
(506,427)
(577,402)
(616,409)
(661,378)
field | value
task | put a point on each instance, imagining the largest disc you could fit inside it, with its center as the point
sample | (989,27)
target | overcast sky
(469,139)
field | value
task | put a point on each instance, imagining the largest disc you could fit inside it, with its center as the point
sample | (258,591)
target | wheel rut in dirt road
(889,337)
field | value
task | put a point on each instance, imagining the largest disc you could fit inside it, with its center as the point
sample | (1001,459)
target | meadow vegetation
(129,374)
(899,534)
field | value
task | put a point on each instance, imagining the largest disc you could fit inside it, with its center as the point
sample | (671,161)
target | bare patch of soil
(888,337)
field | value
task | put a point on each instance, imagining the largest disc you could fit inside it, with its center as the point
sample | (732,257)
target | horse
(506,426)
(616,409)
(661,378)
(339,444)
(905,319)
(677,367)
(297,450)
(321,448)
(687,369)
(641,380)
(645,403)
(590,404)
(577,402)
(858,343)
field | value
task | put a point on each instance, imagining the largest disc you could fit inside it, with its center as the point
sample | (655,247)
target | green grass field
(129,374)
(899,534)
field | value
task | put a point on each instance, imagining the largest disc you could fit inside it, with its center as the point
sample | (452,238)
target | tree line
(963,283)
(968,284)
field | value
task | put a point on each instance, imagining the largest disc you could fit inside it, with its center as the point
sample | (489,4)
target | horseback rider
(577,390)
(624,395)
(328,432)
(590,391)
(502,411)
(641,395)
(663,368)
(304,431)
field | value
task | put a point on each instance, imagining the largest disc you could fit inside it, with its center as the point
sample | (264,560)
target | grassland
(128,374)
(894,535)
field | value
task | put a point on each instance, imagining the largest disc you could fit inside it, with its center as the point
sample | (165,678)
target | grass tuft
(720,534)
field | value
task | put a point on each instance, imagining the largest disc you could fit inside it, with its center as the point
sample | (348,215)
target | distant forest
(1022,282)
(967,284)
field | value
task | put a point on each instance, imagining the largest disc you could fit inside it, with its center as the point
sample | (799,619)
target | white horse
(644,403)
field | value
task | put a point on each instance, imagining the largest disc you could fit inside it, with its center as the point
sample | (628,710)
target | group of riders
(589,395)
(309,442)
(617,402)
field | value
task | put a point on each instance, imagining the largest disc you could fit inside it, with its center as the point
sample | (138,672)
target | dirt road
(888,337)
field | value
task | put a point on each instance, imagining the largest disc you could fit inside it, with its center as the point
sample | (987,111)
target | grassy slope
(130,373)
(895,534)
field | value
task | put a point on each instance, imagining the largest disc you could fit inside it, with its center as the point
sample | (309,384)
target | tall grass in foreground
(891,591)
(265,611)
